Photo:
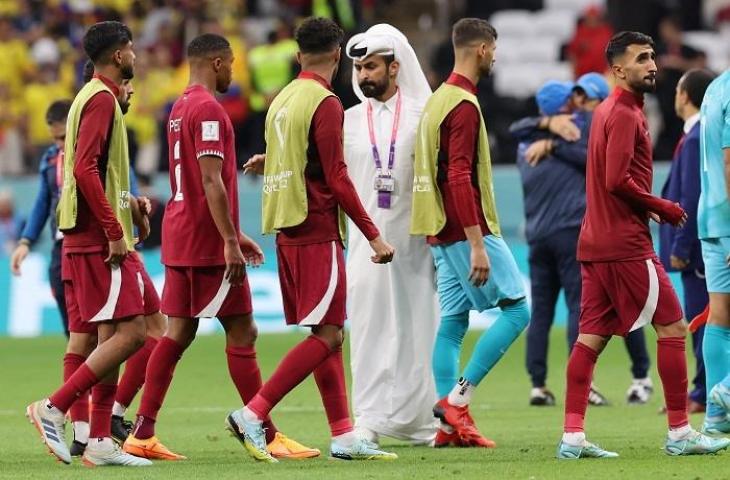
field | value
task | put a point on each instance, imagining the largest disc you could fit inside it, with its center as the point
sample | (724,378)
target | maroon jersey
(198,126)
(618,184)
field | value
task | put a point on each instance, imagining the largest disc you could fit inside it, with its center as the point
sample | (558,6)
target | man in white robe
(393,310)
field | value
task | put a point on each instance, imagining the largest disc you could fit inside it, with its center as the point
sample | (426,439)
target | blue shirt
(683,186)
(46,200)
(554,189)
(713,216)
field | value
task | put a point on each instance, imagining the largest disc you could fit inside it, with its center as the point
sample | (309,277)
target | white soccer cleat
(50,424)
(103,452)
(640,391)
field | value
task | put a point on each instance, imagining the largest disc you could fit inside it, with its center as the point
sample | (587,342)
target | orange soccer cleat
(699,320)
(284,447)
(460,419)
(150,448)
(445,439)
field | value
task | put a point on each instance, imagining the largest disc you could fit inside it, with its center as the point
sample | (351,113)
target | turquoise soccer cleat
(696,444)
(251,435)
(716,428)
(360,450)
(720,396)
(589,450)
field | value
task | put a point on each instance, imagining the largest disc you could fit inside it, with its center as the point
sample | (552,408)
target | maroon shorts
(313,283)
(96,291)
(203,292)
(620,297)
(149,292)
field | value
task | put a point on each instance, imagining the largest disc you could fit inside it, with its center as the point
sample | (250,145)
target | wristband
(24,241)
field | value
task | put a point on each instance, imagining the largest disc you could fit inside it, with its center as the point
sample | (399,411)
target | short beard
(124,107)
(644,87)
(127,72)
(374,90)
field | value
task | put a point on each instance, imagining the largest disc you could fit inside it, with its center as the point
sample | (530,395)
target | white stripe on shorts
(652,298)
(318,313)
(107,311)
(212,309)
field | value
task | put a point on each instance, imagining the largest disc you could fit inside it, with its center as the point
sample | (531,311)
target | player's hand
(143,229)
(479,273)
(117,251)
(252,253)
(383,251)
(19,254)
(537,151)
(564,127)
(255,164)
(678,263)
(654,216)
(145,205)
(674,214)
(235,263)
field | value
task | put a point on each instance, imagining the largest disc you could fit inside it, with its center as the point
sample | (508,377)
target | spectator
(587,49)
(673,59)
(11,140)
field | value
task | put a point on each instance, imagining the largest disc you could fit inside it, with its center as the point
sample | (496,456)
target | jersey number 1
(178,173)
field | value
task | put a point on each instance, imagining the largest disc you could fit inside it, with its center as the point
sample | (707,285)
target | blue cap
(552,96)
(594,84)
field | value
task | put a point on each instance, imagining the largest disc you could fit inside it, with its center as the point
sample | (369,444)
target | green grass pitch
(201,395)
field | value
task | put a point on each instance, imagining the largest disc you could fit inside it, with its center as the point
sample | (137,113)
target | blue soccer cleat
(696,443)
(588,450)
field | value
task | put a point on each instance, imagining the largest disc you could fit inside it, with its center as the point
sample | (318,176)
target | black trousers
(553,266)
(54,277)
(695,300)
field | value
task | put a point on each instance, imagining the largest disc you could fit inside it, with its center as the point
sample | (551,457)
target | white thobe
(393,309)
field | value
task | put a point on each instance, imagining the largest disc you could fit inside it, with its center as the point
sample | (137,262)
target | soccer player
(203,250)
(453,205)
(96,220)
(395,307)
(305,185)
(552,168)
(624,284)
(681,250)
(134,369)
(714,232)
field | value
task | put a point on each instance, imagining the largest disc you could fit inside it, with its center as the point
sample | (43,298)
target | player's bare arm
(215,195)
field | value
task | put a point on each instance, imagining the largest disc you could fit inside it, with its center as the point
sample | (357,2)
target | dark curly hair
(207,44)
(318,35)
(621,41)
(104,37)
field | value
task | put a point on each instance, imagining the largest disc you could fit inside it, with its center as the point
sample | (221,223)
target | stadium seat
(521,80)
(511,50)
(512,22)
(714,45)
(573,5)
(558,24)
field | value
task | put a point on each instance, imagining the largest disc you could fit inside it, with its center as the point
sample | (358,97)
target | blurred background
(41,61)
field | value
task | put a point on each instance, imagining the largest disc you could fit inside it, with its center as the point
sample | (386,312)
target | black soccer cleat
(77,448)
(121,429)
(542,397)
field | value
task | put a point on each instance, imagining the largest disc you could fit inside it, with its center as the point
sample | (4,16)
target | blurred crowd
(41,60)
